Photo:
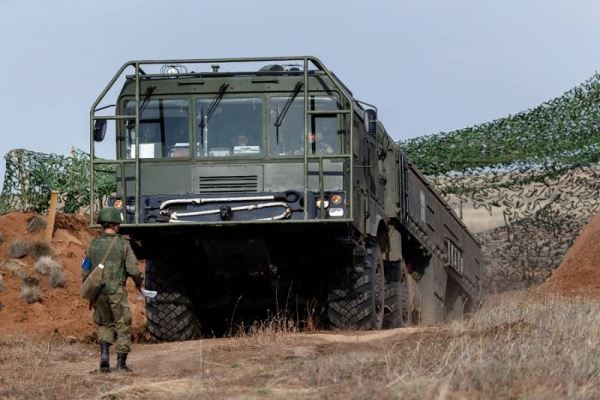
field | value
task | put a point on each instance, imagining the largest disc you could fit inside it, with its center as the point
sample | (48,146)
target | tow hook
(225,213)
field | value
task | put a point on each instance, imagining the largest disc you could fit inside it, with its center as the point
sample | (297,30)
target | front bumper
(241,207)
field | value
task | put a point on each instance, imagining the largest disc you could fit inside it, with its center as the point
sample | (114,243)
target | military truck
(264,183)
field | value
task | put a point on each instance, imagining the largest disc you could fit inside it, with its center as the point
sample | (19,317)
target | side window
(164,129)
(287,126)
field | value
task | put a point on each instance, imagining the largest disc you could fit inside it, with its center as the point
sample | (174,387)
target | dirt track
(267,364)
(232,368)
(515,348)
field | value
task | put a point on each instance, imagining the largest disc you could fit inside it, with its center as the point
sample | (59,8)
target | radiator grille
(222,184)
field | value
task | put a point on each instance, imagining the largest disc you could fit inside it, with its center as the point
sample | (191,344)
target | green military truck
(263,183)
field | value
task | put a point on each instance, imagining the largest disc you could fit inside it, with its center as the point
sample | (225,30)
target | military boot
(104,357)
(122,363)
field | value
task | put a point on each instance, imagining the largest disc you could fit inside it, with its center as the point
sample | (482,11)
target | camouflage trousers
(112,315)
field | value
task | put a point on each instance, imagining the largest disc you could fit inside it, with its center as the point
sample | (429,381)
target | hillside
(579,272)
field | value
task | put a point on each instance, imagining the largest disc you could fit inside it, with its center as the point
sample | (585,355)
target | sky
(428,65)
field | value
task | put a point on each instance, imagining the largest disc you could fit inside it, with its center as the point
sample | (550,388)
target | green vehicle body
(222,186)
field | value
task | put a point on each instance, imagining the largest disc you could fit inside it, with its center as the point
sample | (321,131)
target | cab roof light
(173,69)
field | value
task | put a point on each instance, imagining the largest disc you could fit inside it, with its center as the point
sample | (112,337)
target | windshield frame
(267,127)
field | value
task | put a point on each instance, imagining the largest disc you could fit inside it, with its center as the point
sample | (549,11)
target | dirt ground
(216,368)
(47,348)
(515,348)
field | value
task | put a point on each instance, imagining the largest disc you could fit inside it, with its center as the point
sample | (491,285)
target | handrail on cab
(137,64)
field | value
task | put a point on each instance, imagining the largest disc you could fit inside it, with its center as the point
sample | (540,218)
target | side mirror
(370,121)
(99,130)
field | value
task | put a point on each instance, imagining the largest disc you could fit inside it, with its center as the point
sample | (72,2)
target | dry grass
(30,281)
(512,350)
(36,224)
(180,389)
(15,267)
(57,276)
(18,249)
(45,264)
(39,249)
(28,368)
(31,293)
(49,267)
(515,349)
(263,332)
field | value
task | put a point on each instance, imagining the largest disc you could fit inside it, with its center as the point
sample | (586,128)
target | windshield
(287,126)
(164,129)
(234,128)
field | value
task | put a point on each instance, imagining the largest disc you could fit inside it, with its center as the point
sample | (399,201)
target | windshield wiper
(204,118)
(146,98)
(213,105)
(286,107)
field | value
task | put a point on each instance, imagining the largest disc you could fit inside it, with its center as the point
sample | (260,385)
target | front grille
(228,184)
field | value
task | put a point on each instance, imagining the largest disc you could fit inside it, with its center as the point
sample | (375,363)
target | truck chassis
(347,233)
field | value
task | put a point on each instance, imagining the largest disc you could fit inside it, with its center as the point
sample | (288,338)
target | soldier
(317,145)
(111,308)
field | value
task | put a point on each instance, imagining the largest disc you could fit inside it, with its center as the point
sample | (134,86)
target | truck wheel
(357,302)
(170,314)
(397,302)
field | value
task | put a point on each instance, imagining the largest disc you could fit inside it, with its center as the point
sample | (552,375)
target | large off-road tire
(170,314)
(397,298)
(357,300)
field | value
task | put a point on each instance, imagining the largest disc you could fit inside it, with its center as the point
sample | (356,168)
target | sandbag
(91,286)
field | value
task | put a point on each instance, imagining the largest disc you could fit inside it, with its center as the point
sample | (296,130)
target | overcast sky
(429,65)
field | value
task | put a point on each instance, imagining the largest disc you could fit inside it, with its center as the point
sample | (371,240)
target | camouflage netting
(31,176)
(538,168)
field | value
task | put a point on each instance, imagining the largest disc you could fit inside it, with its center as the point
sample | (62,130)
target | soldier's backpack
(91,286)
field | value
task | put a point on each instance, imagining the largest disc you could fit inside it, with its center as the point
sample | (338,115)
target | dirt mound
(61,309)
(75,224)
(579,272)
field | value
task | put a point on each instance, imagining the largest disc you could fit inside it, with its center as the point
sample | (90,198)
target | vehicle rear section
(439,252)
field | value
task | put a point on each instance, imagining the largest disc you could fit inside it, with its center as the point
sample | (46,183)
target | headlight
(322,203)
(336,199)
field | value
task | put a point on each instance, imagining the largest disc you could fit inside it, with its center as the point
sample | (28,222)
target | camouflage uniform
(111,308)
